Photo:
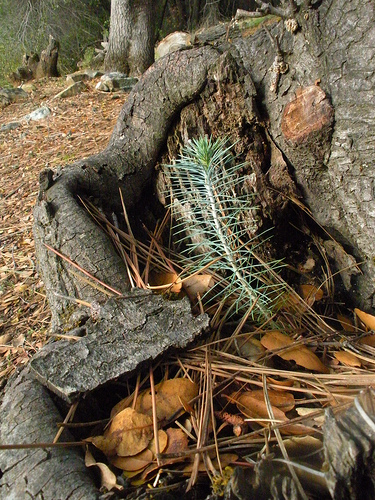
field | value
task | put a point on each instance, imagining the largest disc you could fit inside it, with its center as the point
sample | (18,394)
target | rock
(174,41)
(38,114)
(111,82)
(72,90)
(28,87)
(79,76)
(94,73)
(7,96)
(129,331)
(82,76)
(10,126)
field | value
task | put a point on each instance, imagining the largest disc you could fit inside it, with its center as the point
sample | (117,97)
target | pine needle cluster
(208,205)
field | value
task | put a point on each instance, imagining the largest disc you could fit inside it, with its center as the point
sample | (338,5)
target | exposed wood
(310,111)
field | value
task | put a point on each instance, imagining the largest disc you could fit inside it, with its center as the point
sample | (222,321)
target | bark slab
(128,332)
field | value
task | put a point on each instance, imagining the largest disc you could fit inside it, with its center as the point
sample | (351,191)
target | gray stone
(83,76)
(174,41)
(129,331)
(37,114)
(111,82)
(79,76)
(28,87)
(9,126)
(71,91)
(7,96)
(93,73)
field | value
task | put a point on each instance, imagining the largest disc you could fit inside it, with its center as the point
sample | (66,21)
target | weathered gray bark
(335,46)
(28,415)
(128,162)
(349,449)
(131,37)
(128,332)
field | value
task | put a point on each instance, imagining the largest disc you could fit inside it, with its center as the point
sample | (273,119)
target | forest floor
(76,128)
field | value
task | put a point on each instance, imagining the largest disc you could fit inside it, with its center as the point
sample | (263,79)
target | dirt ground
(76,128)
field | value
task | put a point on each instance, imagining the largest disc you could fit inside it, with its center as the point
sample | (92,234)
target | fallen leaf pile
(129,441)
(259,386)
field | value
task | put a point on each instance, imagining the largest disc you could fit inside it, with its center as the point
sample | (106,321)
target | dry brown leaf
(198,284)
(177,441)
(281,399)
(346,323)
(298,446)
(311,293)
(163,442)
(136,463)
(347,358)
(108,478)
(165,281)
(4,339)
(317,418)
(281,383)
(128,434)
(254,408)
(121,405)
(368,340)
(367,319)
(250,348)
(130,474)
(300,354)
(19,340)
(170,396)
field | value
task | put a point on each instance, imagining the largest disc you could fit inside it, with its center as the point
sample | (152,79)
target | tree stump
(34,67)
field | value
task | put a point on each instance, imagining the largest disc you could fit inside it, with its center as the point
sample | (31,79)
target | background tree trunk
(131,37)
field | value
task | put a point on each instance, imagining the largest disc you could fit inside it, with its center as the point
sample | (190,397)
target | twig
(31,446)
(14,191)
(69,416)
(155,417)
(281,442)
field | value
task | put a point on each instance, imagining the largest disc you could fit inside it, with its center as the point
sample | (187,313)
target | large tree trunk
(131,37)
(324,133)
(331,166)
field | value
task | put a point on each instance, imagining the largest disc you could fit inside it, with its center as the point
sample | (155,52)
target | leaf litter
(257,388)
(76,127)
(227,401)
